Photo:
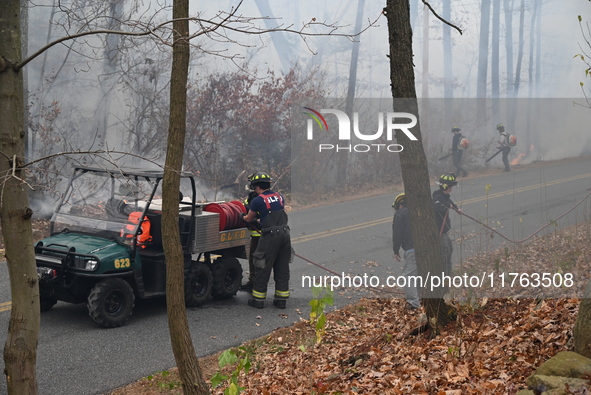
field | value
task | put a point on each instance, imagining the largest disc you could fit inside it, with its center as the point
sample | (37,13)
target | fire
(518,160)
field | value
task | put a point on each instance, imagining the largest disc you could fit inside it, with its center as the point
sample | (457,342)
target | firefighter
(457,153)
(402,238)
(273,252)
(504,146)
(144,237)
(442,203)
(119,208)
(254,228)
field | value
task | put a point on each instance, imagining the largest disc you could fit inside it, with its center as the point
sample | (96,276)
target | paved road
(76,357)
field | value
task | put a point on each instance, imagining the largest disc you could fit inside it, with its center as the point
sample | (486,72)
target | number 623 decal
(122,263)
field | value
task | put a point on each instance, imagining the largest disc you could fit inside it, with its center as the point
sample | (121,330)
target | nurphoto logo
(344,130)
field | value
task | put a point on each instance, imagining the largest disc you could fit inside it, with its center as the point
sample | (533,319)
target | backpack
(511,140)
(463,144)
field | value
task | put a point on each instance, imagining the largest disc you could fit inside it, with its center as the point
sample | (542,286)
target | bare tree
(279,40)
(20,350)
(520,51)
(582,328)
(413,161)
(180,336)
(483,47)
(425,71)
(495,61)
(508,10)
(448,79)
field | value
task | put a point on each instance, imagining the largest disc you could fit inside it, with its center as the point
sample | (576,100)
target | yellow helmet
(447,180)
(400,199)
(259,178)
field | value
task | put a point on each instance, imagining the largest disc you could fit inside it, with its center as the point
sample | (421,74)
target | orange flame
(518,160)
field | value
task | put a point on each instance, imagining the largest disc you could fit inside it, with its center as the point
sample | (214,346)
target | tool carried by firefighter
(493,155)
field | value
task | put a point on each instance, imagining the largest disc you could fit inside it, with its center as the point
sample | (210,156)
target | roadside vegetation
(372,346)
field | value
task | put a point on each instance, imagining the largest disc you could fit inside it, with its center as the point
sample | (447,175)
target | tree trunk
(343,158)
(20,350)
(448,78)
(425,85)
(494,66)
(508,8)
(282,46)
(520,50)
(582,329)
(354,60)
(413,161)
(180,336)
(530,74)
(482,79)
(109,77)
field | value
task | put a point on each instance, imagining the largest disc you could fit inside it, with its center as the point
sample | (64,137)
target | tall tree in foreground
(582,328)
(20,350)
(413,161)
(180,336)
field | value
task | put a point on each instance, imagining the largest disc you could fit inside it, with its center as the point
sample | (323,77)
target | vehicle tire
(227,277)
(46,303)
(110,302)
(198,283)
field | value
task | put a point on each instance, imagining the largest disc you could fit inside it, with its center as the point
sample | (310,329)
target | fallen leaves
(492,347)
(366,350)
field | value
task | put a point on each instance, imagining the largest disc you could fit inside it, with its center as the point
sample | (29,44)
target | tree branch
(440,18)
(103,154)
(20,65)
(208,26)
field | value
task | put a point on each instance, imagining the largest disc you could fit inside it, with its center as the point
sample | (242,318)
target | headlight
(91,264)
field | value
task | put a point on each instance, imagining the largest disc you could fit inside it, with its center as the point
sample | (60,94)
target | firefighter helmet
(259,178)
(400,199)
(501,127)
(455,129)
(447,180)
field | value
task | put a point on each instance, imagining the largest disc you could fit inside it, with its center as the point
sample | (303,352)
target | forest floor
(367,347)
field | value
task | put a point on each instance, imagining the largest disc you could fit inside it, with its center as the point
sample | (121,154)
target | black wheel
(227,277)
(110,302)
(46,303)
(198,283)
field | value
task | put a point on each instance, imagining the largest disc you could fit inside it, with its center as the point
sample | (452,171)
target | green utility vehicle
(105,247)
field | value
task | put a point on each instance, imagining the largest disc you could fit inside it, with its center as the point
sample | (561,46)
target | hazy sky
(560,35)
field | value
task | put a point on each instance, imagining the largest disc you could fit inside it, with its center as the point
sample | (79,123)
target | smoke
(71,76)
